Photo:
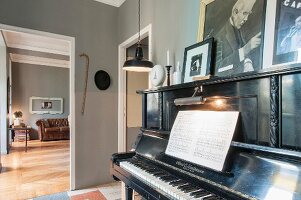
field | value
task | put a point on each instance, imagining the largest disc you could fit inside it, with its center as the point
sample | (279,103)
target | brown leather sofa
(53,129)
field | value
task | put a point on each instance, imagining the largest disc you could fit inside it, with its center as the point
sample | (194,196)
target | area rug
(109,192)
(57,196)
(94,195)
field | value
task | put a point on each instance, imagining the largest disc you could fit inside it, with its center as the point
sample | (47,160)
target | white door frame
(71,41)
(145,32)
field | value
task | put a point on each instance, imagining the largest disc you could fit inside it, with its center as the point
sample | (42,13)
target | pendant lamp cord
(139,22)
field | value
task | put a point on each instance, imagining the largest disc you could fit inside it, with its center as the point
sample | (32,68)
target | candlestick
(168,74)
(167,63)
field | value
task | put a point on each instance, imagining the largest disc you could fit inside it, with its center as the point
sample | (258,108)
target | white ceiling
(116,3)
(37,43)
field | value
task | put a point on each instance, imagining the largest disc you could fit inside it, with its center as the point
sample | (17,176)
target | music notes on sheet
(202,137)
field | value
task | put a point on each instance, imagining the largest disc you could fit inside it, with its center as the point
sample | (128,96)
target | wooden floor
(43,169)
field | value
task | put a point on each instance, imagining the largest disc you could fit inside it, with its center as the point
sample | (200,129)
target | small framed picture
(47,105)
(197,60)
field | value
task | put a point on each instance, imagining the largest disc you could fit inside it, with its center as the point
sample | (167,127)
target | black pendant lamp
(138,64)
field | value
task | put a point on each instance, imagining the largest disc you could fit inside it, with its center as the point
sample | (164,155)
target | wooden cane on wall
(86,81)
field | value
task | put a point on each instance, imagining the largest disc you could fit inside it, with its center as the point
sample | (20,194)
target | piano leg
(128,193)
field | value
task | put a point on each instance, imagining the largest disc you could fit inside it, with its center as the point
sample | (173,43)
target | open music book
(202,137)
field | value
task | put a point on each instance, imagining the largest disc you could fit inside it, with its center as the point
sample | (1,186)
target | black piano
(264,160)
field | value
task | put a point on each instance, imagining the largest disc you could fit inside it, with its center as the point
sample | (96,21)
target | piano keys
(173,186)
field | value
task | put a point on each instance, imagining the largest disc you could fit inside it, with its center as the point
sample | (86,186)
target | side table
(26,128)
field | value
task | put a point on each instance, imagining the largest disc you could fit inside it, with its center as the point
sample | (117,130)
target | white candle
(167,57)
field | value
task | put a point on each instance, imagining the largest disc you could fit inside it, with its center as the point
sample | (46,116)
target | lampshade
(138,64)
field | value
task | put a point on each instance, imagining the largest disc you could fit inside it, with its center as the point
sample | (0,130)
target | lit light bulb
(219,103)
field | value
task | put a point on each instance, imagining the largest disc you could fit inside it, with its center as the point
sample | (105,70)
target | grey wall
(175,25)
(93,25)
(98,29)
(39,81)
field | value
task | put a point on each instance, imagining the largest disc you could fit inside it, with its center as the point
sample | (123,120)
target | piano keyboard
(175,187)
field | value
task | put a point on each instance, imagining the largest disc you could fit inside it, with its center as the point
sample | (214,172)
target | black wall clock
(102,80)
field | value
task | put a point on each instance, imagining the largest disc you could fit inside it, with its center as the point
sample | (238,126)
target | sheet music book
(202,137)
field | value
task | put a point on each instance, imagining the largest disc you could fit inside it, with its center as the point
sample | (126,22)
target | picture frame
(215,21)
(274,32)
(287,37)
(197,60)
(46,105)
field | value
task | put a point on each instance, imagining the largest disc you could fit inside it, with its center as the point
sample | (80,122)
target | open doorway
(124,48)
(135,81)
(40,84)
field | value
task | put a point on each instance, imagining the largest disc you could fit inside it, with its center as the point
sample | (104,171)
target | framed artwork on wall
(238,28)
(287,38)
(197,60)
(45,105)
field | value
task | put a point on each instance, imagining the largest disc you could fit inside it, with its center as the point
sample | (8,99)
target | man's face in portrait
(298,22)
(241,11)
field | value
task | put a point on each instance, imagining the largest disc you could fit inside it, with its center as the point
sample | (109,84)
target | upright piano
(264,157)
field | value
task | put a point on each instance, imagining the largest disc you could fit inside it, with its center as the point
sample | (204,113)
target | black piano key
(153,170)
(214,197)
(200,194)
(187,186)
(146,167)
(196,192)
(191,189)
(172,182)
(169,178)
(165,177)
(161,175)
(183,186)
(158,174)
(184,189)
(177,183)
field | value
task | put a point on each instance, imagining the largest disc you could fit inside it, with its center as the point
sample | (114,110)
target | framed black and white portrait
(287,39)
(238,28)
(197,60)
